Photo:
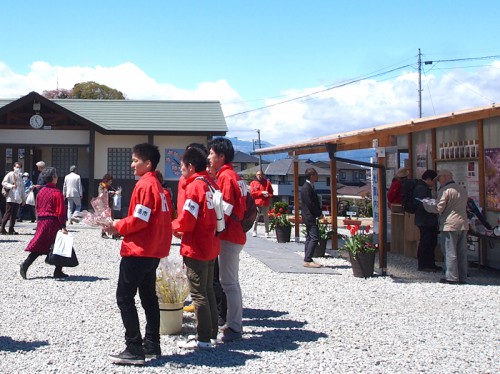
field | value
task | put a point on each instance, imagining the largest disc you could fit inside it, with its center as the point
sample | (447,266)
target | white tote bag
(30,199)
(63,245)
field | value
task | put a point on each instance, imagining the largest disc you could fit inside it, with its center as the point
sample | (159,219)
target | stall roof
(385,134)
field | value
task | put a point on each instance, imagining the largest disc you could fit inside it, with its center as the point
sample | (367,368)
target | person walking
(200,247)
(29,203)
(451,205)
(262,192)
(105,188)
(73,192)
(427,223)
(233,238)
(51,217)
(311,211)
(13,183)
(147,235)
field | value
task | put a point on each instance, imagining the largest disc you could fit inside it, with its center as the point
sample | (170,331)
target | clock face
(36,121)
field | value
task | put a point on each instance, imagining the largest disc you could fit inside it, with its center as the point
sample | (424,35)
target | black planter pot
(320,249)
(283,233)
(363,265)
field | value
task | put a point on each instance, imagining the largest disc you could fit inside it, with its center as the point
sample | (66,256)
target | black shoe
(60,274)
(444,280)
(12,233)
(427,270)
(437,268)
(3,232)
(22,271)
(128,358)
(19,220)
(152,350)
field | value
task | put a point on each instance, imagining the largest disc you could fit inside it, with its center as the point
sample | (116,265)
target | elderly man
(73,192)
(262,192)
(451,205)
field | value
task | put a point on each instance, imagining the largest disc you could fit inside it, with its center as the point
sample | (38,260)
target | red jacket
(395,194)
(256,189)
(234,192)
(147,229)
(197,221)
(50,203)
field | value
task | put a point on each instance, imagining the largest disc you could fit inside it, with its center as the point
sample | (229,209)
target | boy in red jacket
(147,235)
(199,246)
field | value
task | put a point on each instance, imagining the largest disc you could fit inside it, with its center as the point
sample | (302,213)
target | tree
(57,94)
(96,91)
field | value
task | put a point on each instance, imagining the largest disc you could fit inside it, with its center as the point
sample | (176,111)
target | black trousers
(11,210)
(312,239)
(138,274)
(220,296)
(427,246)
(32,257)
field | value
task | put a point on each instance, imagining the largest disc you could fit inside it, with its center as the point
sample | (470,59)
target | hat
(444,172)
(26,174)
(402,173)
(72,168)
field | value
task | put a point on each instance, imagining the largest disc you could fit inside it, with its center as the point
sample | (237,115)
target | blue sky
(257,53)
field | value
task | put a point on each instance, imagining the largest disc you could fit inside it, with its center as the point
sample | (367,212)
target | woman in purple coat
(51,218)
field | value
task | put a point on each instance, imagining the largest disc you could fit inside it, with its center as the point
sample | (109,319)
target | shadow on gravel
(281,335)
(484,277)
(7,344)
(9,241)
(83,278)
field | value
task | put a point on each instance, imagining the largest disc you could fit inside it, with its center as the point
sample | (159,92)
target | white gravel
(294,323)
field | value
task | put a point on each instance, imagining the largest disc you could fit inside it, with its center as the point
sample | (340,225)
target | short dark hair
(147,151)
(18,163)
(48,174)
(429,174)
(222,146)
(107,177)
(194,157)
(200,147)
(309,172)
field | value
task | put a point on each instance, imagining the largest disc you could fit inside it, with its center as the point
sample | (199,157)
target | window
(355,176)
(119,160)
(63,158)
(342,176)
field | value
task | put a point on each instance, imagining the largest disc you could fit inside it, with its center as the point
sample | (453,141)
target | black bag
(57,260)
(250,213)
(409,203)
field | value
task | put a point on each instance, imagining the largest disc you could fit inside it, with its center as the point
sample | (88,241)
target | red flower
(281,210)
(367,228)
(348,227)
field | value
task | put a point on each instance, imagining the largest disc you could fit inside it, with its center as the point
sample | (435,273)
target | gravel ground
(294,323)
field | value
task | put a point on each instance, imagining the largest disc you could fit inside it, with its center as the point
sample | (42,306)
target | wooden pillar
(296,202)
(482,197)
(333,202)
(91,166)
(382,220)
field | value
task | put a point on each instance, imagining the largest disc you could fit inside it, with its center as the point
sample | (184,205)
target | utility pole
(260,146)
(419,84)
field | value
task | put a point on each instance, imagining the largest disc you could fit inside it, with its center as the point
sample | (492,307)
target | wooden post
(296,196)
(333,202)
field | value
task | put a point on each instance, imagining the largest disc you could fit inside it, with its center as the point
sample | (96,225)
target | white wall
(63,137)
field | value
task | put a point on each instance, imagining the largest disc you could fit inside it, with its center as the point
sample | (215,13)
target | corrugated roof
(150,115)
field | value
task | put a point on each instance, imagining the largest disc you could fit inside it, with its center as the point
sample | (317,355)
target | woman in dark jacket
(51,218)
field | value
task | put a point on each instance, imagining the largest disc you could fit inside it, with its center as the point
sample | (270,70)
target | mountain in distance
(248,147)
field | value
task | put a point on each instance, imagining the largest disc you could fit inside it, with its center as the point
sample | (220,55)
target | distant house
(243,161)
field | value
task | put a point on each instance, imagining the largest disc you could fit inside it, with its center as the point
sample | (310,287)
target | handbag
(117,202)
(5,192)
(62,252)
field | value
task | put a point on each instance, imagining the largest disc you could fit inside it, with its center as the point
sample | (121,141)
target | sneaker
(311,265)
(128,358)
(194,344)
(60,274)
(22,271)
(267,235)
(254,234)
(152,350)
(229,335)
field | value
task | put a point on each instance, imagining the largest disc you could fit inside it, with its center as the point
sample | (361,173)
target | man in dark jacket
(427,223)
(311,211)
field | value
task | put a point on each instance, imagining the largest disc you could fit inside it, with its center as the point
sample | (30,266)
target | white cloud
(364,104)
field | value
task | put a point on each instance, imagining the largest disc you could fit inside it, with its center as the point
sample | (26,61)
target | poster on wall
(421,159)
(173,163)
(492,174)
(465,173)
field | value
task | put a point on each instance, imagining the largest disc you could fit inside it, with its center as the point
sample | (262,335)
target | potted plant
(279,222)
(172,288)
(361,250)
(325,233)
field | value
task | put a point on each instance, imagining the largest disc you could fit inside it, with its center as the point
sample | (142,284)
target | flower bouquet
(172,285)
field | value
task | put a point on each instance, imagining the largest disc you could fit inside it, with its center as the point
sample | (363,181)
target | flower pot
(283,233)
(363,264)
(171,318)
(320,249)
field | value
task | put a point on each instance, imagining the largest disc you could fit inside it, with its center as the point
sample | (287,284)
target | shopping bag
(63,245)
(30,199)
(117,202)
